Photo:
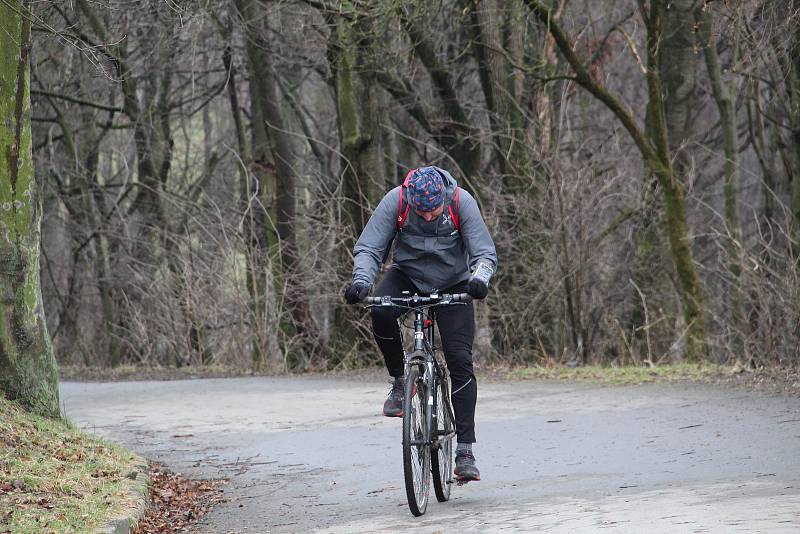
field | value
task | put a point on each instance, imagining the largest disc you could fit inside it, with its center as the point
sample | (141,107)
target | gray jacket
(433,254)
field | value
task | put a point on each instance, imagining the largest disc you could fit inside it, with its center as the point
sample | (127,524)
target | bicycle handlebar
(419,300)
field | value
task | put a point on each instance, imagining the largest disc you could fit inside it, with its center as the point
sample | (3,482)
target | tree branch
(585,80)
(78,101)
(424,49)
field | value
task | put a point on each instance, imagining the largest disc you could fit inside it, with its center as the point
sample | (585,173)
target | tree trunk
(724,96)
(253,211)
(363,169)
(287,273)
(676,65)
(674,195)
(794,122)
(105,245)
(352,59)
(28,371)
(500,91)
(274,165)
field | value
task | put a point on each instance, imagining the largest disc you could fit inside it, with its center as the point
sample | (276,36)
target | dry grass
(773,380)
(55,478)
(147,372)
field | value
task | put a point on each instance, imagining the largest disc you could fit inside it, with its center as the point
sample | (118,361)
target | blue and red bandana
(426,189)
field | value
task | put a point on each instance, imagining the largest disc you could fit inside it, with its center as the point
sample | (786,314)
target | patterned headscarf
(426,189)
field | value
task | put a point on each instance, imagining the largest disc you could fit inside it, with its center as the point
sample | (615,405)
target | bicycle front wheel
(416,448)
(442,455)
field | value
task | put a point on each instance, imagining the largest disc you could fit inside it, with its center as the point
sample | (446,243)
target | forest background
(206,166)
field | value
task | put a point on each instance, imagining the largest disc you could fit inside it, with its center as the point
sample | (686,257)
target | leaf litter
(177,502)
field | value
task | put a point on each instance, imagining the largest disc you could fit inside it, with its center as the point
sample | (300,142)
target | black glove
(356,292)
(477,288)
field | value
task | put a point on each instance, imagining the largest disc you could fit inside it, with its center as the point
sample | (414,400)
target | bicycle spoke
(416,454)
(442,460)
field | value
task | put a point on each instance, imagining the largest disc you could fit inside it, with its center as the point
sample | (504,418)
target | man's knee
(459,357)
(461,371)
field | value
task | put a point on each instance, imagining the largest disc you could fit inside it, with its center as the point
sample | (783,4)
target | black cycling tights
(457,328)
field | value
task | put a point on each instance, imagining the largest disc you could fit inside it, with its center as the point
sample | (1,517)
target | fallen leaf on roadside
(176,502)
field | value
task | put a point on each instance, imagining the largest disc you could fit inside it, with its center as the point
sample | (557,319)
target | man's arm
(371,246)
(480,247)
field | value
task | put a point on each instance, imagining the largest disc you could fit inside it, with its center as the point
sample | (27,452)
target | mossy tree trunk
(254,214)
(659,160)
(352,56)
(28,371)
(676,62)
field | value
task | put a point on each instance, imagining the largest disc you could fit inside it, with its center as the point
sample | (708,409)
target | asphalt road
(313,454)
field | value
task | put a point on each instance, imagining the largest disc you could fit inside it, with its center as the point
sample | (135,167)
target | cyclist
(440,244)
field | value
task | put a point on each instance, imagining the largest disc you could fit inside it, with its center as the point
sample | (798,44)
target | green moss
(55,478)
(345,93)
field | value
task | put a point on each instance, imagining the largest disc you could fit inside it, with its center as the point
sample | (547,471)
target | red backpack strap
(454,213)
(402,214)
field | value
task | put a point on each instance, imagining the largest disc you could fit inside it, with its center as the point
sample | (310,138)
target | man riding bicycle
(441,243)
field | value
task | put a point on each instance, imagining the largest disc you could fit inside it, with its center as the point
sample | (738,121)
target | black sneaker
(393,407)
(466,469)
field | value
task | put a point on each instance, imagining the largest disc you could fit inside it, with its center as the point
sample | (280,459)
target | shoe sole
(463,480)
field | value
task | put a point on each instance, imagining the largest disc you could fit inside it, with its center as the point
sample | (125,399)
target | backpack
(402,213)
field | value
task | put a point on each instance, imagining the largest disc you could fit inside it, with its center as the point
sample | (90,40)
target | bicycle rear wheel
(442,456)
(416,450)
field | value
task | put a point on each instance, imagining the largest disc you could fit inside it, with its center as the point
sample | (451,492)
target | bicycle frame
(423,354)
(423,357)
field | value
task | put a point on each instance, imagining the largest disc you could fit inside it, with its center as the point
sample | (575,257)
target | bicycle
(428,420)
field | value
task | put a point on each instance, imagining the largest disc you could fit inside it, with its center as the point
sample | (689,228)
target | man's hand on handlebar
(477,288)
(356,292)
(478,284)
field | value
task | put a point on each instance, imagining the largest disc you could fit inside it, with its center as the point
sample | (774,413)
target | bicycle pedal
(461,481)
